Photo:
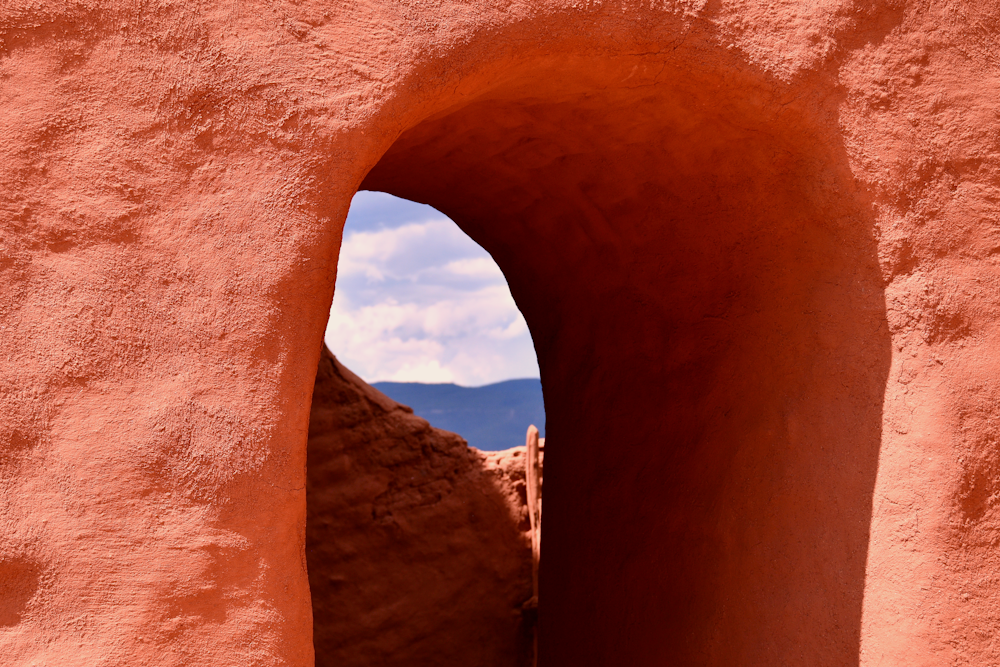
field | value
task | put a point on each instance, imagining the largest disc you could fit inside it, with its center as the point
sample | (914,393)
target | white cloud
(422,302)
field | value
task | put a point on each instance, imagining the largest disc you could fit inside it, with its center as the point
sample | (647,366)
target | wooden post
(534,484)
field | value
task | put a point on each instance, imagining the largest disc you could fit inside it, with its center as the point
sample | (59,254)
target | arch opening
(699,272)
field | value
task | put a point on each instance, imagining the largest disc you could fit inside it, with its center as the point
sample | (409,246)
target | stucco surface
(755,242)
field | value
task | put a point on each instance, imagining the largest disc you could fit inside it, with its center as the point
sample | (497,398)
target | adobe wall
(755,243)
(418,546)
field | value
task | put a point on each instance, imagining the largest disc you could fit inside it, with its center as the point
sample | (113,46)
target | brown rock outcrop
(418,546)
(755,241)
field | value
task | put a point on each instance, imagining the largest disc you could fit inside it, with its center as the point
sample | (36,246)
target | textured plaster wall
(755,242)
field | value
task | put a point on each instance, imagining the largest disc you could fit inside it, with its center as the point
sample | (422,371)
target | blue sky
(419,301)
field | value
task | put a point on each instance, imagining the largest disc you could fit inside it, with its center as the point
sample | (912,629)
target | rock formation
(755,242)
(418,546)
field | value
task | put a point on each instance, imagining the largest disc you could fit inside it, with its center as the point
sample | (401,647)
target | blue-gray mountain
(492,417)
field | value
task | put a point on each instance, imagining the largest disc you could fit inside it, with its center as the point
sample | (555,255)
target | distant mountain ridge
(490,418)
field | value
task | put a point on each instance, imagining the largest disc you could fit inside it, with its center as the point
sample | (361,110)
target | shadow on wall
(699,274)
(418,547)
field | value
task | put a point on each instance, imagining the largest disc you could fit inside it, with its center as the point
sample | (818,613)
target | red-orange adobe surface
(756,243)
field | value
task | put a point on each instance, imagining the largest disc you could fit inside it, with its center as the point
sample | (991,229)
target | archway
(699,274)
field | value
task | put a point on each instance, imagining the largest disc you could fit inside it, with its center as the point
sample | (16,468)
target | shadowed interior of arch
(699,274)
